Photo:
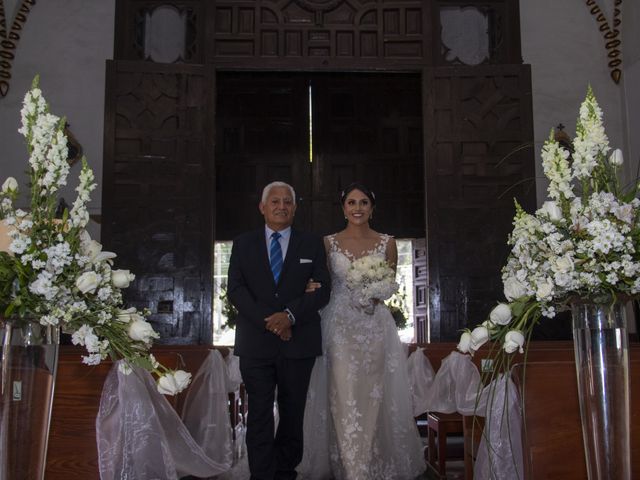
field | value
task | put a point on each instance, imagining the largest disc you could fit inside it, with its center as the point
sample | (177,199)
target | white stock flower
(122,278)
(464,345)
(514,289)
(172,383)
(501,314)
(616,158)
(10,185)
(513,340)
(142,331)
(88,282)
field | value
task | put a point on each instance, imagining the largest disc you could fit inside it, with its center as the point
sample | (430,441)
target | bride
(359,423)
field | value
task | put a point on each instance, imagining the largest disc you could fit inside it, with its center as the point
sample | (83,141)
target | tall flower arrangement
(52,272)
(582,244)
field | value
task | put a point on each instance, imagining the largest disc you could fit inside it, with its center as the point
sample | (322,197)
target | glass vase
(602,365)
(27,379)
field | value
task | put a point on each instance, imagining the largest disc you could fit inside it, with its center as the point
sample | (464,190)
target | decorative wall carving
(9,38)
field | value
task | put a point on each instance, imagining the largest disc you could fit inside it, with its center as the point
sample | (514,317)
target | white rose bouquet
(370,279)
(52,272)
(583,243)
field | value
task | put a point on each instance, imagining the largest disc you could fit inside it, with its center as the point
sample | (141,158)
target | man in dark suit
(277,329)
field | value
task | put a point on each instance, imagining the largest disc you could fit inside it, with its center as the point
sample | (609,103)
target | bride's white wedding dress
(359,422)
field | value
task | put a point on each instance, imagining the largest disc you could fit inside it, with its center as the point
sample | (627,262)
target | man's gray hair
(267,189)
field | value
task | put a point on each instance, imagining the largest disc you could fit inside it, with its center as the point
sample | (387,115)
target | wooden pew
(72,453)
(537,351)
(552,432)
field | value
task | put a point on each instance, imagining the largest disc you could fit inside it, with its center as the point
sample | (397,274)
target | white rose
(564,264)
(552,209)
(479,336)
(122,278)
(128,315)
(616,158)
(464,345)
(172,383)
(88,282)
(142,331)
(544,290)
(9,185)
(501,314)
(514,289)
(513,340)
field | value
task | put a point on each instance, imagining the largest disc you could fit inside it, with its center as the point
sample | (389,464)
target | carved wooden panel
(320,29)
(263,135)
(368,128)
(477,118)
(157,206)
(321,34)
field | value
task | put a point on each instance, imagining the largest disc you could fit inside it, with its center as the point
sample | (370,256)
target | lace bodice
(340,259)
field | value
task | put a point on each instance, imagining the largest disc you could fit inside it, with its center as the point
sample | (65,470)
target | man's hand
(279,324)
(312,286)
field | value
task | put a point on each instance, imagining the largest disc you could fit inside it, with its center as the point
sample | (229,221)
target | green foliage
(397,305)
(229,311)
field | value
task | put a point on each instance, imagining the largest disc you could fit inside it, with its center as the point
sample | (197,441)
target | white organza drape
(141,437)
(456,388)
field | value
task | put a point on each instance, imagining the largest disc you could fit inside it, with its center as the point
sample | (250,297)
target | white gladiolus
(616,158)
(10,185)
(464,345)
(88,282)
(172,383)
(122,278)
(513,340)
(501,314)
(142,331)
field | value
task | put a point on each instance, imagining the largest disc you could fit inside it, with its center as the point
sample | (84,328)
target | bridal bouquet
(583,243)
(53,273)
(370,279)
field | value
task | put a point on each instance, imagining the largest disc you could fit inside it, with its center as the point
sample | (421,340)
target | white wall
(566,50)
(67,42)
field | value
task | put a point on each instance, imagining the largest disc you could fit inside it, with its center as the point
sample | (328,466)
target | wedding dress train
(359,422)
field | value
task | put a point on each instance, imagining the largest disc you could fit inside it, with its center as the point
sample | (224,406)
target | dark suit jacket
(253,291)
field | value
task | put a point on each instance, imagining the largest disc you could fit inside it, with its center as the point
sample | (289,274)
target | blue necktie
(275,255)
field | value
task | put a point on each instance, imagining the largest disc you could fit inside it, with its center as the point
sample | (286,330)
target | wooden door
(365,127)
(368,128)
(479,135)
(262,127)
(157,206)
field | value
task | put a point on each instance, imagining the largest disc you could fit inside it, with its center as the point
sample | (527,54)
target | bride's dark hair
(357,186)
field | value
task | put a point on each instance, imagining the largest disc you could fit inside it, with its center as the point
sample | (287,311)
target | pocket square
(306,260)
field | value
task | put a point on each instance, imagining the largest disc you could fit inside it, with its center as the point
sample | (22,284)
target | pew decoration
(54,277)
(141,436)
(580,250)
(457,386)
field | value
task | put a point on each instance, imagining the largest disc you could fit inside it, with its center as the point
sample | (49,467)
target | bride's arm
(312,285)
(391,253)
